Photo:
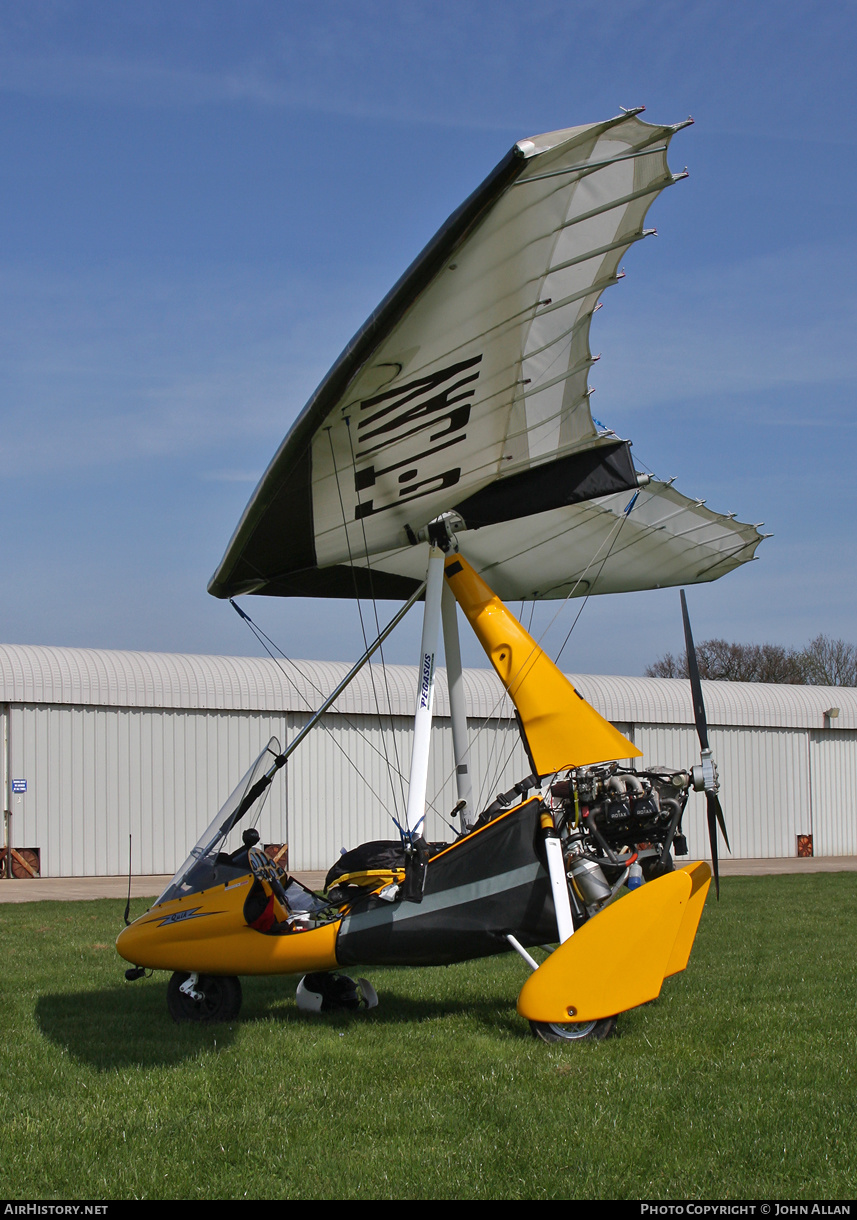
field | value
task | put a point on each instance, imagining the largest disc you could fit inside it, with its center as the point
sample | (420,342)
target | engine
(609,815)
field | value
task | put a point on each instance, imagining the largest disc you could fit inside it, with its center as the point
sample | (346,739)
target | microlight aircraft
(450,457)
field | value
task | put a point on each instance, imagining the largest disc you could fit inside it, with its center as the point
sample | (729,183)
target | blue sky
(202,201)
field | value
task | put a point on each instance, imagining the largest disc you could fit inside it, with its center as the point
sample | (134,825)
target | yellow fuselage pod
(561,728)
(206,932)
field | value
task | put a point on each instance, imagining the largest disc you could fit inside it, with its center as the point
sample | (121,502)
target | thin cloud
(165,370)
(760,323)
(383,61)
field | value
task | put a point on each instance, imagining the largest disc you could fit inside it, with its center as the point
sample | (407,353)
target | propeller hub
(704,776)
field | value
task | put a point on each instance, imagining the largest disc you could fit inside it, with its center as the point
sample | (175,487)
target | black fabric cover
(568,480)
(462,915)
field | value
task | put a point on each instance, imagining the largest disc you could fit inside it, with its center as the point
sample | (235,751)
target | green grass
(738,1082)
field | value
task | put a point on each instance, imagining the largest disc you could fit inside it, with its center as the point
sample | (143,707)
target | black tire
(221,998)
(332,993)
(580,1031)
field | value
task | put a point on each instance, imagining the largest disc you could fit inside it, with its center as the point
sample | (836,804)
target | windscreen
(223,834)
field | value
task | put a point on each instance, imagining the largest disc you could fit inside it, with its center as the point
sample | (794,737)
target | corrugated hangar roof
(753,704)
(100,677)
(106,678)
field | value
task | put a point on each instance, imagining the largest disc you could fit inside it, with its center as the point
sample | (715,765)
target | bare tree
(668,666)
(830,662)
(824,662)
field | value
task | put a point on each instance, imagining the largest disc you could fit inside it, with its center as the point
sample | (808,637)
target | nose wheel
(205,998)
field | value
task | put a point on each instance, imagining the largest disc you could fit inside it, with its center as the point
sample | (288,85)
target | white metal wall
(764,785)
(96,774)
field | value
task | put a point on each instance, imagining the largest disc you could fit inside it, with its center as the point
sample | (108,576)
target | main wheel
(580,1031)
(221,998)
(334,993)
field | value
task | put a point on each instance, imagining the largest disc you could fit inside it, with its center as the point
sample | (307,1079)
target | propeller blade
(711,799)
(695,683)
(706,774)
(714,803)
(714,820)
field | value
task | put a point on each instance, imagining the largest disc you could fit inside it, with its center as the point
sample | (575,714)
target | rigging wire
(486,786)
(495,767)
(375,610)
(271,648)
(622,521)
(360,609)
(265,641)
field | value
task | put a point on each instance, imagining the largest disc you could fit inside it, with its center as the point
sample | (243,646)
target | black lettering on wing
(392,422)
(428,413)
(437,404)
(370,474)
(404,394)
(437,482)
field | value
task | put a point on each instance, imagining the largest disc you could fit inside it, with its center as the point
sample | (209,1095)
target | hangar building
(112,744)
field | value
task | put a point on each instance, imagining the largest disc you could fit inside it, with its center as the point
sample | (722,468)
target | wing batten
(596,288)
(591,165)
(653,189)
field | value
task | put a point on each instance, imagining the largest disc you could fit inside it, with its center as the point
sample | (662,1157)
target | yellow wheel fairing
(207,933)
(700,879)
(616,961)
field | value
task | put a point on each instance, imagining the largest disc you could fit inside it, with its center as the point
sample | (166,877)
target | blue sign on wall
(19,785)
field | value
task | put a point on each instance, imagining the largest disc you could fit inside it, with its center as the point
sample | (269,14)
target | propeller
(705,775)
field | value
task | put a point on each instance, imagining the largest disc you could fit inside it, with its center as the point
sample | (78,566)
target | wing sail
(467,390)
(592,547)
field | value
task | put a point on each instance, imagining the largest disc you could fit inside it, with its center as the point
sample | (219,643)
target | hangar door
(833,791)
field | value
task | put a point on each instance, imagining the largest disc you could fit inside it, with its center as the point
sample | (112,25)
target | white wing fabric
(595,548)
(467,390)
